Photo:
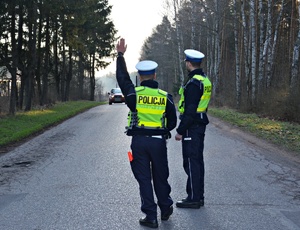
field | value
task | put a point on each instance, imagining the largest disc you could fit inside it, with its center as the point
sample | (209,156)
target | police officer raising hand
(152,115)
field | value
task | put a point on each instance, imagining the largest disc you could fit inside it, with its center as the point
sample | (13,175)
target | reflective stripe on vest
(204,101)
(151,106)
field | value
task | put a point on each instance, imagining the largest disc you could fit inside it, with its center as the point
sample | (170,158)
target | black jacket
(192,94)
(128,90)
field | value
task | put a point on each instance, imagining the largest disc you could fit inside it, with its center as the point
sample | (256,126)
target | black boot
(201,201)
(149,223)
(166,215)
(184,203)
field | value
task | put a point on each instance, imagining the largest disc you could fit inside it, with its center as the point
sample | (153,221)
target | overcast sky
(134,21)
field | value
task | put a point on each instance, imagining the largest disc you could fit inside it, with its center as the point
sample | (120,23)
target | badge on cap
(146,67)
(193,55)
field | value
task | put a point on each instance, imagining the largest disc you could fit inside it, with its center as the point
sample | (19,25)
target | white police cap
(193,55)
(146,67)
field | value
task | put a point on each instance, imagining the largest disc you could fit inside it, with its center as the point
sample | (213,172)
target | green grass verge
(24,124)
(283,134)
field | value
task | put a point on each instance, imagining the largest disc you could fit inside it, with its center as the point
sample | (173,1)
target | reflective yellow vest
(151,107)
(204,101)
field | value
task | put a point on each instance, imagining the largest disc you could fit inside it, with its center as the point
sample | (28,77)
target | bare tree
(217,44)
(13,96)
(176,5)
(263,39)
(246,49)
(237,56)
(32,30)
(253,50)
(261,47)
(271,54)
(295,62)
(193,23)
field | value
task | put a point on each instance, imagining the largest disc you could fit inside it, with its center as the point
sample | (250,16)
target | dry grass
(284,134)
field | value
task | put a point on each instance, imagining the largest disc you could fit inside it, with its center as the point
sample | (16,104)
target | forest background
(53,48)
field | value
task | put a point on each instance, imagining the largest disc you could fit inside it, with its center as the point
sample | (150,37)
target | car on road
(115,96)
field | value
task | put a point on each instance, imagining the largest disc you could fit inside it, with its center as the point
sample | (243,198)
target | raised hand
(121,46)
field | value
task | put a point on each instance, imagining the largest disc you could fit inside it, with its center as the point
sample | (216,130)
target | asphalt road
(77,176)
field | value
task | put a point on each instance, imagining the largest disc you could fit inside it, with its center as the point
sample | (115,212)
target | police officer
(194,99)
(151,117)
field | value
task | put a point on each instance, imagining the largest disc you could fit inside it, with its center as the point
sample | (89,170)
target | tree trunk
(39,59)
(63,72)
(246,49)
(81,75)
(19,51)
(253,51)
(260,83)
(294,85)
(92,78)
(44,99)
(193,23)
(271,55)
(69,75)
(293,27)
(217,49)
(237,57)
(56,60)
(13,71)
(179,42)
(32,19)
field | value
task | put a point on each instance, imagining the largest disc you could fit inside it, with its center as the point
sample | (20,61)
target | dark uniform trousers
(193,164)
(150,162)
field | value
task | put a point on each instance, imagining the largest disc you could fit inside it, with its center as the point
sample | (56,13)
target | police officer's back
(151,117)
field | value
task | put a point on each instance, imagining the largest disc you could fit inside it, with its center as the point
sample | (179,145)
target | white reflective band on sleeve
(187,139)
